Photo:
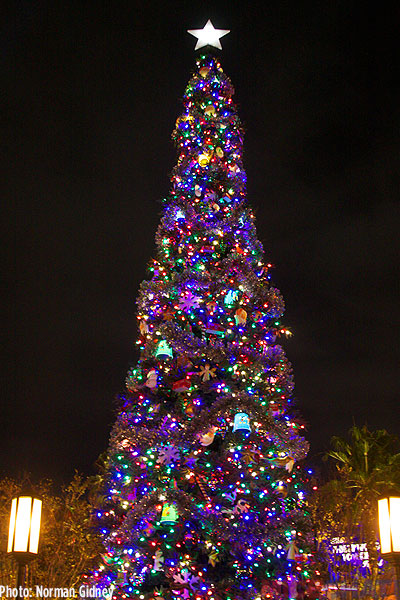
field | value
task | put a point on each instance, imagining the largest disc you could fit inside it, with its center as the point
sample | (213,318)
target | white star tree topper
(208,36)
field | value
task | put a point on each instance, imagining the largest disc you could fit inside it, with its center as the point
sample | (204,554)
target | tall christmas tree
(205,496)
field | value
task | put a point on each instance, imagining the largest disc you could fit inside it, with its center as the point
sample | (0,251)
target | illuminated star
(208,36)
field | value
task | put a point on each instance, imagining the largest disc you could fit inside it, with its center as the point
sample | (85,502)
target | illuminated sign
(353,552)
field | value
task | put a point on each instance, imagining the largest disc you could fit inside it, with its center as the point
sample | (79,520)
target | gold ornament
(203,159)
(204,71)
(281,489)
(208,438)
(219,152)
(210,111)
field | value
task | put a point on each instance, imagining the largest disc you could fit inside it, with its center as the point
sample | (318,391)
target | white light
(208,36)
(395,523)
(24,529)
(12,525)
(389,524)
(35,526)
(22,523)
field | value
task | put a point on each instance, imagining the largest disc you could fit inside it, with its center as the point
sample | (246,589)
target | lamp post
(23,533)
(389,532)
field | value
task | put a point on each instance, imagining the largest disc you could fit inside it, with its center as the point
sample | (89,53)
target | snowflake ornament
(189,301)
(167,455)
(185,580)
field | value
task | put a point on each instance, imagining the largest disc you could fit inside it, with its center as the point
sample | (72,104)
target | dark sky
(92,91)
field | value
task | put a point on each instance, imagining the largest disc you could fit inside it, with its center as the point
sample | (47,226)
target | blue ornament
(241,422)
(231,297)
(163,350)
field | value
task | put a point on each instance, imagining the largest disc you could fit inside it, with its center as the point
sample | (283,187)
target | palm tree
(366,467)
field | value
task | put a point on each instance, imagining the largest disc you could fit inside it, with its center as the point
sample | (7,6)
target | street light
(389,532)
(23,533)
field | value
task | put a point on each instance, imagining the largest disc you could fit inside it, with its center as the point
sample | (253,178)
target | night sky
(91,92)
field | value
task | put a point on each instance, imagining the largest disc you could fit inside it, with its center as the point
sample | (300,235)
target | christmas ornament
(204,71)
(163,350)
(241,507)
(189,409)
(189,301)
(169,514)
(183,385)
(281,489)
(203,159)
(168,315)
(292,549)
(158,561)
(143,327)
(148,529)
(210,196)
(208,438)
(202,488)
(151,381)
(257,316)
(213,557)
(210,110)
(241,422)
(283,459)
(211,306)
(167,455)
(292,586)
(206,372)
(231,297)
(182,582)
(215,329)
(240,316)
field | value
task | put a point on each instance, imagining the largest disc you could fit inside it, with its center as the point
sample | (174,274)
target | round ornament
(210,110)
(203,160)
(281,459)
(281,489)
(204,71)
(219,152)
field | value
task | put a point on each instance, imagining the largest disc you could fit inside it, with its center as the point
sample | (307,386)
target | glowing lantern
(241,423)
(169,514)
(389,532)
(23,532)
(389,526)
(163,350)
